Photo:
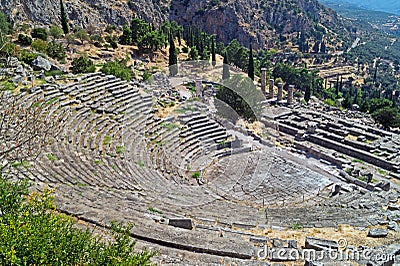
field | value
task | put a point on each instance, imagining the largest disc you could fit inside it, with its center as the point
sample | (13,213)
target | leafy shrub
(39,45)
(56,32)
(24,39)
(40,33)
(7,85)
(33,233)
(56,50)
(196,175)
(146,75)
(118,69)
(97,40)
(185,49)
(82,35)
(82,64)
(112,40)
(27,57)
(53,73)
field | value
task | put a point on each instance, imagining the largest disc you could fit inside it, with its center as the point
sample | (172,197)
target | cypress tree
(375,73)
(64,19)
(307,93)
(337,85)
(225,71)
(173,60)
(251,63)
(213,56)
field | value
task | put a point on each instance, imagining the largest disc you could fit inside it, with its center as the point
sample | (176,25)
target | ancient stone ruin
(198,185)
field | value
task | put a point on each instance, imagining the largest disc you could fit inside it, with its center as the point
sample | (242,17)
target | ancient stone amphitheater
(196,187)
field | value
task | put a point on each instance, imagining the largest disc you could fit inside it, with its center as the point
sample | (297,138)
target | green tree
(56,32)
(213,56)
(323,47)
(118,69)
(307,94)
(56,50)
(5,26)
(250,70)
(387,117)
(126,37)
(24,39)
(173,58)
(152,40)
(225,70)
(39,45)
(64,19)
(138,28)
(82,64)
(379,103)
(82,35)
(40,33)
(193,54)
(32,232)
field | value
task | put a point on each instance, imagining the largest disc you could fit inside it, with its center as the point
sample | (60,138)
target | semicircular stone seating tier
(114,143)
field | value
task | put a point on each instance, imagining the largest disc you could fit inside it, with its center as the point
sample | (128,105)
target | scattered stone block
(41,63)
(394,207)
(320,244)
(378,232)
(393,226)
(259,239)
(184,223)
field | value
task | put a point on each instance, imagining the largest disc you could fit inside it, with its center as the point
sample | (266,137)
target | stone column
(280,91)
(271,89)
(199,87)
(290,94)
(264,81)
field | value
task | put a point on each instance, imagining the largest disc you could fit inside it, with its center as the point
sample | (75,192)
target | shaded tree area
(146,37)
(303,79)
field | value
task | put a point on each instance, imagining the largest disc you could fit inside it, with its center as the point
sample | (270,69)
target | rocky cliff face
(255,21)
(82,13)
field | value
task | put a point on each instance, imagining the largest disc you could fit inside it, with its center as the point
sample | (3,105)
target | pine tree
(64,19)
(213,56)
(173,60)
(251,63)
(225,71)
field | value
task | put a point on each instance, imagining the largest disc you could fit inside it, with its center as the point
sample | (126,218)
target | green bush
(32,232)
(56,50)
(27,57)
(118,69)
(196,175)
(97,40)
(39,45)
(24,39)
(40,33)
(82,64)
(56,32)
(146,75)
(112,40)
(53,73)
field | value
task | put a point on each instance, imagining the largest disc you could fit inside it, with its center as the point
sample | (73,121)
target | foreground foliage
(33,233)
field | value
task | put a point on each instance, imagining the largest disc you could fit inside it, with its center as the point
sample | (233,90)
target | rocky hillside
(248,21)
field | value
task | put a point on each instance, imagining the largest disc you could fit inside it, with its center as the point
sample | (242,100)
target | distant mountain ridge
(390,6)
